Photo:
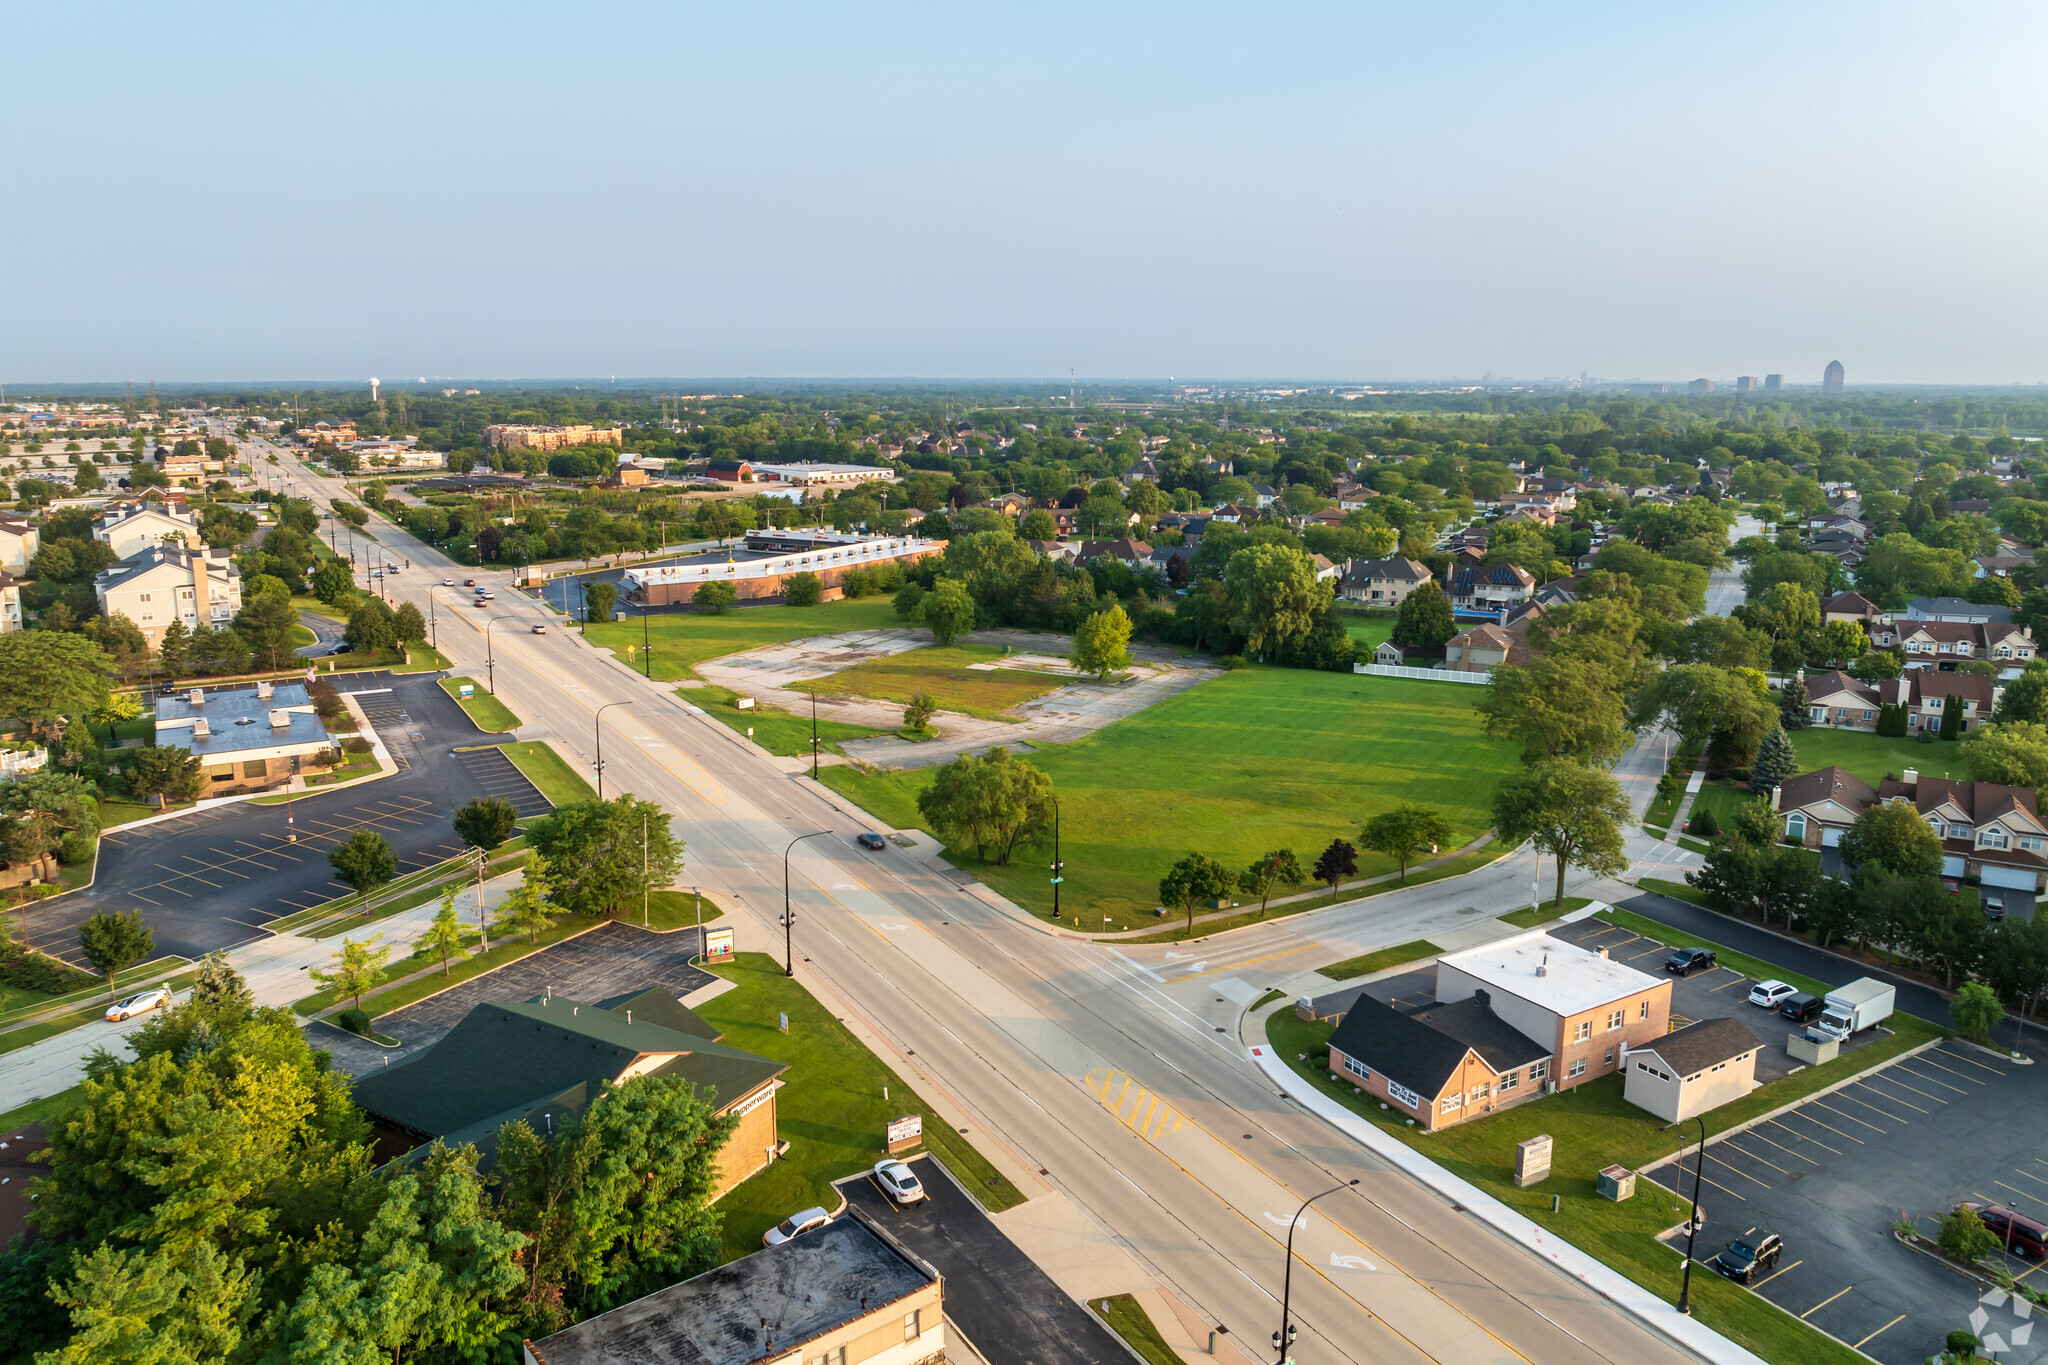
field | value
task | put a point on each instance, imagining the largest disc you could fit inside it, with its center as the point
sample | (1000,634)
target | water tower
(373,390)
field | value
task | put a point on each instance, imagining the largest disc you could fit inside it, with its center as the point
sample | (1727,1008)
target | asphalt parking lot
(214,878)
(1007,1307)
(1831,1177)
(611,960)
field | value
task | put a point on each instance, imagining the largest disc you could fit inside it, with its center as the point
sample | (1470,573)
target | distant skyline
(218,192)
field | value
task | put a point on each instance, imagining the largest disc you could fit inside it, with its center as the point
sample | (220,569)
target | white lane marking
(1350,1263)
(1301,1222)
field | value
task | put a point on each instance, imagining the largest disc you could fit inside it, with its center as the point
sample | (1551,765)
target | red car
(469,582)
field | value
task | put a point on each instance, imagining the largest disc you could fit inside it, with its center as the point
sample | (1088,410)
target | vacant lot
(682,640)
(943,672)
(1258,759)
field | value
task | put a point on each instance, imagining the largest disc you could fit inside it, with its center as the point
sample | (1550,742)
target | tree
(714,597)
(486,821)
(1100,643)
(1277,868)
(919,713)
(219,990)
(1558,707)
(1404,831)
(371,627)
(172,649)
(334,582)
(1841,641)
(1774,762)
(529,907)
(1275,597)
(994,803)
(167,773)
(1574,814)
(1037,524)
(1952,716)
(1195,878)
(1965,1238)
(1793,701)
(607,854)
(2010,753)
(408,624)
(1891,835)
(363,862)
(1424,619)
(443,937)
(2026,697)
(266,624)
(1698,700)
(47,673)
(803,589)
(947,611)
(357,967)
(1336,864)
(113,941)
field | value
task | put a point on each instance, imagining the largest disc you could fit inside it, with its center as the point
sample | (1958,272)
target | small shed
(1699,1067)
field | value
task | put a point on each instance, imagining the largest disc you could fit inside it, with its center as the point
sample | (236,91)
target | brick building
(758,567)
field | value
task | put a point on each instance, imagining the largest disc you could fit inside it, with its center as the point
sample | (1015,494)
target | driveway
(1007,1307)
(214,878)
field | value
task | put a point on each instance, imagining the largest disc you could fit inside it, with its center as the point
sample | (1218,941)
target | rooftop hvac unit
(201,730)
(280,718)
(196,697)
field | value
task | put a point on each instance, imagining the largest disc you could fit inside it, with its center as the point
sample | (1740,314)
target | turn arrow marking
(1349,1262)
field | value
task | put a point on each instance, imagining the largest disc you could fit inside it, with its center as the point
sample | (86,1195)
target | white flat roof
(1574,979)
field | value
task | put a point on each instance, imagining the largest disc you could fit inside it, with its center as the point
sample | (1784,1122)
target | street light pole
(1058,876)
(1284,1338)
(646,648)
(490,659)
(1692,1227)
(788,919)
(814,734)
(599,728)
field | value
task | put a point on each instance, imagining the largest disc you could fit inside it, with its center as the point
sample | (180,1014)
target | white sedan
(794,1224)
(1770,994)
(138,1003)
(898,1181)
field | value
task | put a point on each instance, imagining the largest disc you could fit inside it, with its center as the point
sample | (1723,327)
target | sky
(1347,192)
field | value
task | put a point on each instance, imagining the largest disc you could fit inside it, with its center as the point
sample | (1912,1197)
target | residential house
(844,1292)
(19,541)
(1992,832)
(1351,495)
(1510,1020)
(1687,1072)
(547,1059)
(247,738)
(129,530)
(1146,468)
(169,583)
(1839,701)
(10,602)
(1265,493)
(1009,504)
(1483,647)
(1489,588)
(1132,554)
(1327,570)
(1540,513)
(1381,582)
(1408,656)
(1956,609)
(1849,606)
(1929,643)
(2005,565)
(1061,550)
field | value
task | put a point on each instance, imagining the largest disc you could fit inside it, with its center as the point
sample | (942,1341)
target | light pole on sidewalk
(599,728)
(788,919)
(1284,1338)
(1058,875)
(1692,1226)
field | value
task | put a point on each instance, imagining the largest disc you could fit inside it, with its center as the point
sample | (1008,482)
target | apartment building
(130,529)
(514,436)
(169,583)
(19,541)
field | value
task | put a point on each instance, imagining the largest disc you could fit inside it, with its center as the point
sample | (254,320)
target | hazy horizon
(921,194)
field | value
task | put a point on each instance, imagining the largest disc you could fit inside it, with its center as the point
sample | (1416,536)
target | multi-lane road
(1109,1077)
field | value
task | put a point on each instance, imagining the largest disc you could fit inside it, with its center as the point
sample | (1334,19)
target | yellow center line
(1238,966)
(1882,1330)
(1776,1273)
(1825,1302)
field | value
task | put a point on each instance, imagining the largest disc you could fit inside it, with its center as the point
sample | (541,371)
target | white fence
(1424,674)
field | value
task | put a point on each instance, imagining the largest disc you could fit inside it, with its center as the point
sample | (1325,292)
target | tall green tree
(1277,868)
(1101,643)
(529,908)
(358,967)
(947,611)
(994,802)
(1775,762)
(334,582)
(598,600)
(45,674)
(363,862)
(2012,753)
(1558,707)
(486,821)
(1575,814)
(1193,879)
(1404,831)
(112,941)
(1891,835)
(1424,618)
(1275,597)
(607,854)
(443,937)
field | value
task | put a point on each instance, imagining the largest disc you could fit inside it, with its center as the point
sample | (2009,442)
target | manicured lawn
(1352,891)
(1528,918)
(1723,799)
(422,659)
(490,715)
(686,639)
(943,672)
(1868,756)
(1381,960)
(1593,1126)
(831,1107)
(1257,759)
(1368,633)
(1727,957)
(1129,1320)
(560,783)
(679,910)
(779,732)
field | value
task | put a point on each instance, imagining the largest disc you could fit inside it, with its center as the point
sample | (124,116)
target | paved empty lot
(611,960)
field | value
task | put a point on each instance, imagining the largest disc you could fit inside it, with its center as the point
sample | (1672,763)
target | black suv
(1746,1255)
(1802,1009)
(1684,961)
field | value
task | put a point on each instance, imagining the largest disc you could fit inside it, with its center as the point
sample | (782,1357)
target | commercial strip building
(765,559)
(846,1293)
(1510,1020)
(247,738)
(170,583)
(513,436)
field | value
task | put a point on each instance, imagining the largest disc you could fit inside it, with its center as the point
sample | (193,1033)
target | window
(1583,1031)
(1450,1104)
(1577,1068)
(1511,1081)
(1400,1092)
(1539,1072)
(255,767)
(1869,715)
(1643,1010)
(1958,831)
(913,1325)
(1992,838)
(1357,1068)
(1479,1093)
(836,1356)
(2031,843)
(1795,827)
(1616,1019)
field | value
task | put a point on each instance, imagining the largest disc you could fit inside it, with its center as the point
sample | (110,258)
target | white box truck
(1856,1007)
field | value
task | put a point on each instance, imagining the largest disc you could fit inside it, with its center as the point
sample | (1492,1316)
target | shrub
(355,1021)
(76,848)
(1232,662)
(357,745)
(1705,825)
(34,971)
(856,583)
(1965,1238)
(803,589)
(326,699)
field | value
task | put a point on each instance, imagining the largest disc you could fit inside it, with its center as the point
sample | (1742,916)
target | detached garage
(1700,1067)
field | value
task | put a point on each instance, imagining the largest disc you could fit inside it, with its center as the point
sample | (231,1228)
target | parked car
(1742,1259)
(138,1003)
(1685,961)
(794,1224)
(1770,994)
(1802,1008)
(540,628)
(898,1181)
(2023,1235)
(869,839)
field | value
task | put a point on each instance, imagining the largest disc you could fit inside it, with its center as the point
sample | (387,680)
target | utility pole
(814,735)
(643,869)
(1058,876)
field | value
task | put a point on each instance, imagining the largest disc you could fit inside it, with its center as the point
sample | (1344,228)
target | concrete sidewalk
(1610,1284)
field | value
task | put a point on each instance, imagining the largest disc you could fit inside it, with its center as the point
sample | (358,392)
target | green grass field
(1723,799)
(558,781)
(684,640)
(786,733)
(1256,759)
(1869,756)
(491,716)
(1368,633)
(1129,1320)
(831,1108)
(1398,955)
(985,693)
